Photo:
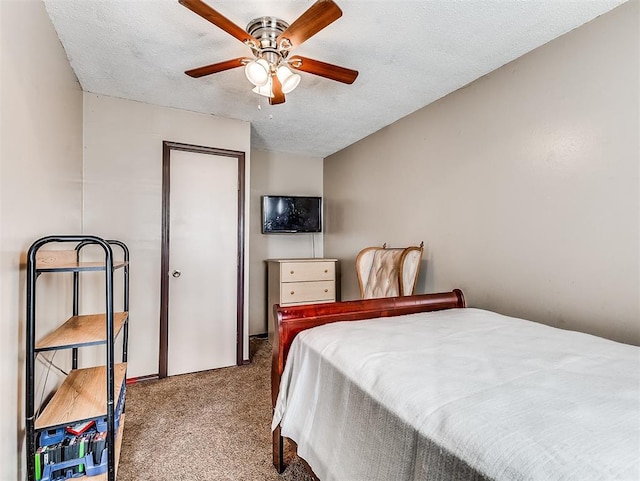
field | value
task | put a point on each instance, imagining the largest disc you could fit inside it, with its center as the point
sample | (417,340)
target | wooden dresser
(299,281)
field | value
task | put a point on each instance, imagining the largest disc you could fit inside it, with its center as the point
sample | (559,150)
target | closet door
(203,262)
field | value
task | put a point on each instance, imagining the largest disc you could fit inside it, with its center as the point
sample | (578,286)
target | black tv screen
(291,214)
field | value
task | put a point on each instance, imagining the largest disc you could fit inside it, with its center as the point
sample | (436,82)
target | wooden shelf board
(73,266)
(105,476)
(81,331)
(83,395)
(52,261)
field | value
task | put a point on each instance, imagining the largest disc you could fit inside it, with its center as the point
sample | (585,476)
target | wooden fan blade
(323,69)
(317,17)
(219,20)
(216,67)
(276,88)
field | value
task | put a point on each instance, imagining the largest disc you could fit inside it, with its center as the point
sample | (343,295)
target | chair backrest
(388,272)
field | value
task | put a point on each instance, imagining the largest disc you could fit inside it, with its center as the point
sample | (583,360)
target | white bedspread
(461,394)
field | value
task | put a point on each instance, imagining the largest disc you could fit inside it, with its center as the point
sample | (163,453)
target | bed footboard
(295,319)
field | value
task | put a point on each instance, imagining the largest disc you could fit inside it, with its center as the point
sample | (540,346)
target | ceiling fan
(271,41)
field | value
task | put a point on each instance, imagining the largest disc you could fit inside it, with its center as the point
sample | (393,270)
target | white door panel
(203,252)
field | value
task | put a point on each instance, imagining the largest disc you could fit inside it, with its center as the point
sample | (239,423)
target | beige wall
(523,185)
(40,193)
(123,198)
(277,173)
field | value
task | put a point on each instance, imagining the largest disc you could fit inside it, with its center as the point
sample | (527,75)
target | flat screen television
(286,214)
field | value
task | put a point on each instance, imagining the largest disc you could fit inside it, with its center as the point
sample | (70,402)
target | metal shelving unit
(85,393)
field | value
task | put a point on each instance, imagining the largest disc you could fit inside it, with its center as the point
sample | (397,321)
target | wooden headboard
(295,319)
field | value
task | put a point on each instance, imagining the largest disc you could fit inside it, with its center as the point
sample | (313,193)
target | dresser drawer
(307,271)
(307,292)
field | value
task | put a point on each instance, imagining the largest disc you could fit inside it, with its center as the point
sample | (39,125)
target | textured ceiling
(408,53)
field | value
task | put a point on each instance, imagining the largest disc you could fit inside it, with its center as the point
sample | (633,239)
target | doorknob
(176,273)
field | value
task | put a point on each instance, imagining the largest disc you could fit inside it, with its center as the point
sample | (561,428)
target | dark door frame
(167,147)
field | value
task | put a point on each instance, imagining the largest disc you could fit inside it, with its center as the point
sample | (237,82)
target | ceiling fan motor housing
(266,30)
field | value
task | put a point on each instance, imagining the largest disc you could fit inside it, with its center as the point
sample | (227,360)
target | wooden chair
(388,272)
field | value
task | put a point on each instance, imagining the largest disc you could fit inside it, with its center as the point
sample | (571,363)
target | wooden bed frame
(294,319)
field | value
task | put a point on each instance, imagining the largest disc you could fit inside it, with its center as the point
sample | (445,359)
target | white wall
(40,194)
(277,173)
(523,185)
(123,197)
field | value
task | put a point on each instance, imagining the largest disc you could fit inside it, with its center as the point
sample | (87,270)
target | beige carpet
(212,425)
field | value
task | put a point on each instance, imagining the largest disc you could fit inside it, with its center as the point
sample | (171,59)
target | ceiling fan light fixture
(288,79)
(257,71)
(264,90)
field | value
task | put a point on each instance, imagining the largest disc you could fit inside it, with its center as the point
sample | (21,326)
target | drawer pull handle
(326,290)
(292,293)
(326,270)
(291,272)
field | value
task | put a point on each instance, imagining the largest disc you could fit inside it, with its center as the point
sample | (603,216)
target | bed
(424,388)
